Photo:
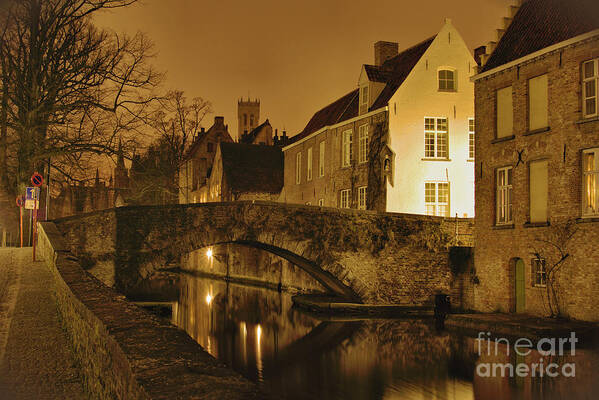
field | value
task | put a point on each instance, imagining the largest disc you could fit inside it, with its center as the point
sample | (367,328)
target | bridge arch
(325,278)
(378,258)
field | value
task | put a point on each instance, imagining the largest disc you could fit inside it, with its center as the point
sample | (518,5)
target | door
(520,303)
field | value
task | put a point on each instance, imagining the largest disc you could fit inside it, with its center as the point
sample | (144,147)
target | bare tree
(69,88)
(176,123)
(551,250)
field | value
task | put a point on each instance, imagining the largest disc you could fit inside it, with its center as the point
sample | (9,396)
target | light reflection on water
(296,356)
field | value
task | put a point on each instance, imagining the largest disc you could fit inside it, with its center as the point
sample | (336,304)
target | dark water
(293,355)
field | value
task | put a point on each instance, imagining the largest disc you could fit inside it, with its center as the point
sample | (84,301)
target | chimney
(203,130)
(384,51)
(478,52)
(219,120)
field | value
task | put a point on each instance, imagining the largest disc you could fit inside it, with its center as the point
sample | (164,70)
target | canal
(292,355)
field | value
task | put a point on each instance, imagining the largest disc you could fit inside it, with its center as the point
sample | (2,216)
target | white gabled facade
(401,89)
(420,97)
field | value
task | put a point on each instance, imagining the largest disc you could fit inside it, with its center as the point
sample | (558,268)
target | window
(321,202)
(210,147)
(363,156)
(590,85)
(309,162)
(538,103)
(245,119)
(590,183)
(364,100)
(298,168)
(251,120)
(362,198)
(505,112)
(345,198)
(435,138)
(471,138)
(436,198)
(447,80)
(347,148)
(539,272)
(538,191)
(504,196)
(321,159)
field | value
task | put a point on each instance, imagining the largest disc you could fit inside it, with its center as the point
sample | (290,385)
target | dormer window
(364,100)
(447,80)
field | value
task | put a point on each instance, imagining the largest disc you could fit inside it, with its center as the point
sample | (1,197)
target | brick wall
(336,177)
(561,145)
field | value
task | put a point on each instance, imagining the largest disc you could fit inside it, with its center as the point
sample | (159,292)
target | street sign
(32,198)
(20,201)
(37,179)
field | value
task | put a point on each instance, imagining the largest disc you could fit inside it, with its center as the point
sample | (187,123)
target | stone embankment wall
(123,351)
(376,258)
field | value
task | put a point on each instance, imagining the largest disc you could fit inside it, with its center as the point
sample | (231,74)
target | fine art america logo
(549,351)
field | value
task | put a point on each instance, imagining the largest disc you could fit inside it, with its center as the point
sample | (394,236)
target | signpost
(32,198)
(20,204)
(36,180)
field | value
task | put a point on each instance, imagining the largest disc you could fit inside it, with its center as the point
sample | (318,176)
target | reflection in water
(295,356)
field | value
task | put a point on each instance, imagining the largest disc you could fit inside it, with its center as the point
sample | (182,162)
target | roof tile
(541,23)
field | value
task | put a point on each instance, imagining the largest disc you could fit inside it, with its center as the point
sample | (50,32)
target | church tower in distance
(248,116)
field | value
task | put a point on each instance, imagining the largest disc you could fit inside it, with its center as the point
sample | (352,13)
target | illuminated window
(590,86)
(298,168)
(436,198)
(321,159)
(436,138)
(447,80)
(504,196)
(345,198)
(539,272)
(505,112)
(364,100)
(538,103)
(347,148)
(321,202)
(363,155)
(590,182)
(471,138)
(362,198)
(309,162)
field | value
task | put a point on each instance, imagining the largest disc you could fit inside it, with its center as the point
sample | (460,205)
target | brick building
(72,199)
(537,158)
(195,170)
(402,141)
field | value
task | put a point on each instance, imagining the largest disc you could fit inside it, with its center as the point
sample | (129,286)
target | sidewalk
(35,357)
(521,325)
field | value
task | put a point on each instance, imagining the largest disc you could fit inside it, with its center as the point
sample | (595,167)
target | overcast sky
(295,56)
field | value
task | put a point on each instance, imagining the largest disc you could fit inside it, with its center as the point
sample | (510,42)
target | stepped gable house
(403,141)
(195,170)
(537,163)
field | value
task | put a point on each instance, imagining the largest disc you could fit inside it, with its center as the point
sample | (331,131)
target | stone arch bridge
(364,256)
